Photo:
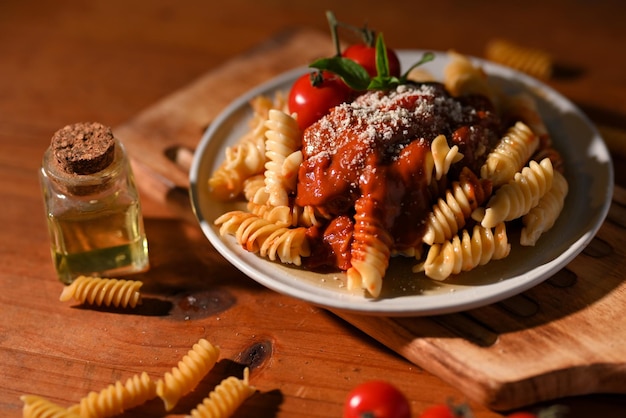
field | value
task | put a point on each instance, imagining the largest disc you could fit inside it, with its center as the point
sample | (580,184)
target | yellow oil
(107,242)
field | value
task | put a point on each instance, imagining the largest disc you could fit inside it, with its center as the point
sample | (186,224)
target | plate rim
(374,306)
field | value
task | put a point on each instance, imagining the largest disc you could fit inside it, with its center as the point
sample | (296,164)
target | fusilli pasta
(271,240)
(542,217)
(532,61)
(443,156)
(370,248)
(38,407)
(189,372)
(117,397)
(103,291)
(510,154)
(282,151)
(449,215)
(462,77)
(224,400)
(522,193)
(466,252)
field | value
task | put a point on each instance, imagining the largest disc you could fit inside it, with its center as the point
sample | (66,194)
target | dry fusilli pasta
(466,252)
(117,397)
(38,407)
(103,291)
(189,372)
(542,217)
(532,61)
(522,193)
(225,398)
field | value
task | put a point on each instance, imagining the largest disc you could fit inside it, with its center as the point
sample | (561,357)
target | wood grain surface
(155,71)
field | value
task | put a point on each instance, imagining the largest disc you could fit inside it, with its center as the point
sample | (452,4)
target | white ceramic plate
(589,172)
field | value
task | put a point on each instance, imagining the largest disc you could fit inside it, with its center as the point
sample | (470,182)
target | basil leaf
(426,57)
(353,74)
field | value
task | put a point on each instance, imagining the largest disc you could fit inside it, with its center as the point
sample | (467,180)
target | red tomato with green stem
(365,55)
(376,399)
(314,94)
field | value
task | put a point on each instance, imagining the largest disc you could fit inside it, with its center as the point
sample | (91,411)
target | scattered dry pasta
(190,371)
(532,61)
(117,397)
(103,292)
(224,400)
(38,407)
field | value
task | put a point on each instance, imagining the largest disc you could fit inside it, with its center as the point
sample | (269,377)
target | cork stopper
(83,148)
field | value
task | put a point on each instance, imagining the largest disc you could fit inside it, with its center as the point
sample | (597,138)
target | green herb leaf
(426,57)
(353,74)
(382,62)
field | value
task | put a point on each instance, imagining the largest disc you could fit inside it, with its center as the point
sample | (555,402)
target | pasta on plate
(436,171)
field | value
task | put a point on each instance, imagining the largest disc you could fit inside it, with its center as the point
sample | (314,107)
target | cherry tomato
(376,399)
(522,415)
(446,411)
(366,56)
(313,95)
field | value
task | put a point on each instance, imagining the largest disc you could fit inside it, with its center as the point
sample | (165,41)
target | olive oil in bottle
(92,205)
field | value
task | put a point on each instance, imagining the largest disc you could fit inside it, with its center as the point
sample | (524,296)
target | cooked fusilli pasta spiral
(282,151)
(466,252)
(103,291)
(523,107)
(38,407)
(189,372)
(510,154)
(542,217)
(370,248)
(271,240)
(449,215)
(443,156)
(224,400)
(522,193)
(117,397)
(462,77)
(534,62)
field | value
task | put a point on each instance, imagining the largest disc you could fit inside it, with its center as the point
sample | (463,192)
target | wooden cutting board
(564,337)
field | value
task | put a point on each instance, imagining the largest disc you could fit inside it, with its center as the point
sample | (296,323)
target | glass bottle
(92,205)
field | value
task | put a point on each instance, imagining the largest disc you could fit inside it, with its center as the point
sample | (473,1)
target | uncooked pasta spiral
(117,397)
(271,240)
(449,215)
(103,291)
(466,252)
(224,400)
(189,372)
(282,151)
(510,154)
(370,248)
(38,407)
(522,193)
(542,217)
(532,61)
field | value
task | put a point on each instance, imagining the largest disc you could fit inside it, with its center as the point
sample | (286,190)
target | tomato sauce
(376,146)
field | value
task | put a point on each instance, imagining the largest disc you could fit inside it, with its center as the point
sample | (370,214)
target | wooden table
(64,62)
